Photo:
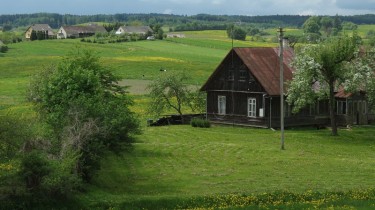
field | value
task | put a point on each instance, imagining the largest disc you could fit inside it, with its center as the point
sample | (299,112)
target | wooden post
(281,54)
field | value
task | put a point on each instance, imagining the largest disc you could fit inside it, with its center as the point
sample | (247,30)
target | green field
(219,167)
(181,162)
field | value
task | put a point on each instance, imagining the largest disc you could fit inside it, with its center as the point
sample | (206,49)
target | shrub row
(201,123)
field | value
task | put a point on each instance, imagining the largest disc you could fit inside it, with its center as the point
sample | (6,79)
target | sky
(191,7)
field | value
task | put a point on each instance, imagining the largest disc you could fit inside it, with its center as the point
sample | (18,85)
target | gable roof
(42,27)
(136,29)
(84,29)
(263,64)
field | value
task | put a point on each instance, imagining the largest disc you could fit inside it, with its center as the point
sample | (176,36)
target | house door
(360,113)
(355,113)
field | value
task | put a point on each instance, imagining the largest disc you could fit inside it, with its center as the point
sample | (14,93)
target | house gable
(80,31)
(233,75)
(262,66)
(45,28)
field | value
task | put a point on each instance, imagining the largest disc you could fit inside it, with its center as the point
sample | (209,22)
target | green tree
(337,23)
(34,167)
(86,108)
(170,91)
(327,25)
(253,31)
(312,25)
(349,25)
(318,69)
(158,31)
(237,33)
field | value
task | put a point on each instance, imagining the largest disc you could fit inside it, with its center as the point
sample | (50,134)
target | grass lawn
(174,165)
(184,162)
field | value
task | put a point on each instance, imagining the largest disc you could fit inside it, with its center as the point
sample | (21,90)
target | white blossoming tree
(318,69)
(360,75)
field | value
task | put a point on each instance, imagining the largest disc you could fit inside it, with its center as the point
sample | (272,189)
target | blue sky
(191,7)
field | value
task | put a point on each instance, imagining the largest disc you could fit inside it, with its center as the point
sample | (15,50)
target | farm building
(44,29)
(174,35)
(140,30)
(79,31)
(244,90)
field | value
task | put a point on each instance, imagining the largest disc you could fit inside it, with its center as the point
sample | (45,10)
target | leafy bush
(3,48)
(87,109)
(201,123)
(34,168)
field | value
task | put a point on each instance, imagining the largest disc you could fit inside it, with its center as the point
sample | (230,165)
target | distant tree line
(203,21)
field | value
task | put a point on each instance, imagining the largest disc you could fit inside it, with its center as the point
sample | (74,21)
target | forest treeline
(178,22)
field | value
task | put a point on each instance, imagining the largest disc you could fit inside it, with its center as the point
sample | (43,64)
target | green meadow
(178,164)
(181,167)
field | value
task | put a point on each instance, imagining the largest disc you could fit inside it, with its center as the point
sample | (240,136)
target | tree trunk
(332,108)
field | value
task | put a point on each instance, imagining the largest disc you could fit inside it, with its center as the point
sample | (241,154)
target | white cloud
(218,2)
(168,11)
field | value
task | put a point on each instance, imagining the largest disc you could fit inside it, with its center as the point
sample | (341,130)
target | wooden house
(66,32)
(40,28)
(244,90)
(352,109)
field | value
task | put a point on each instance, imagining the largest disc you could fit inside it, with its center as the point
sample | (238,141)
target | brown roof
(342,94)
(263,63)
(84,29)
(42,27)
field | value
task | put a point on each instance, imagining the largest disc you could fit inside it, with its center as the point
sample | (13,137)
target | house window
(252,107)
(230,75)
(341,107)
(242,75)
(222,105)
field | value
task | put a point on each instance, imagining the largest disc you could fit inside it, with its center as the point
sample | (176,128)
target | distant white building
(141,30)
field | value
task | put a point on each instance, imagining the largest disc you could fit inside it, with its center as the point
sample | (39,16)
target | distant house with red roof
(245,90)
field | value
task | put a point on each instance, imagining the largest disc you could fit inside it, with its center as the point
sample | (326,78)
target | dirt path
(136,86)
(139,87)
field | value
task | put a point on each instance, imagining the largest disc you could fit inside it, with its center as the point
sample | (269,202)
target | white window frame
(222,104)
(251,107)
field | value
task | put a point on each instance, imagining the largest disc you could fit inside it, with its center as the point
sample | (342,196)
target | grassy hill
(198,54)
(220,167)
